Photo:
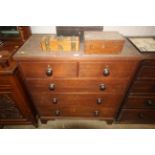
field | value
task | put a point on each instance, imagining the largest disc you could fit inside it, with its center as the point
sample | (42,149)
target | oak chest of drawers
(76,85)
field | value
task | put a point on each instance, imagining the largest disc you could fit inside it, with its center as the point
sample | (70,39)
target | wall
(132,30)
(43,29)
(125,30)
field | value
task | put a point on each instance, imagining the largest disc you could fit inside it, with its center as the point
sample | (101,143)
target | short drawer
(108,69)
(137,116)
(143,87)
(77,85)
(62,100)
(49,70)
(140,102)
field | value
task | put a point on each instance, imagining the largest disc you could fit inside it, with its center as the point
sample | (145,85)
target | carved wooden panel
(8,109)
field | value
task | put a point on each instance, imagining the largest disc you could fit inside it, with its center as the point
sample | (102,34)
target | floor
(81,124)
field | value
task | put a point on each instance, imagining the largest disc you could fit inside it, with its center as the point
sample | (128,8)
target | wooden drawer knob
(149,103)
(52,86)
(106,71)
(57,113)
(54,100)
(102,86)
(96,113)
(141,115)
(99,101)
(49,71)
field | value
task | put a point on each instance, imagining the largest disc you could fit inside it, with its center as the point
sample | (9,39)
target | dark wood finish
(137,116)
(143,87)
(147,70)
(15,107)
(8,107)
(140,102)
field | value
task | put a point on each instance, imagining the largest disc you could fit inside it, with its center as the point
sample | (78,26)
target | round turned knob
(55,100)
(99,101)
(102,86)
(49,71)
(57,112)
(96,113)
(106,72)
(141,115)
(52,86)
(149,103)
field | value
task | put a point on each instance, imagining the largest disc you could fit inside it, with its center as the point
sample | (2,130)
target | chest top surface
(31,50)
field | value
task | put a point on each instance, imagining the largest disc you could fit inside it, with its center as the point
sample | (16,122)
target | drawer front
(146,73)
(140,102)
(78,111)
(77,85)
(113,69)
(143,87)
(62,100)
(49,70)
(137,115)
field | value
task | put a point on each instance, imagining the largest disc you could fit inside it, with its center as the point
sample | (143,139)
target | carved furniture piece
(15,106)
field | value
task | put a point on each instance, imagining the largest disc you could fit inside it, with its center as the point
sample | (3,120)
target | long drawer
(137,116)
(92,100)
(111,69)
(78,111)
(49,70)
(140,102)
(77,85)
